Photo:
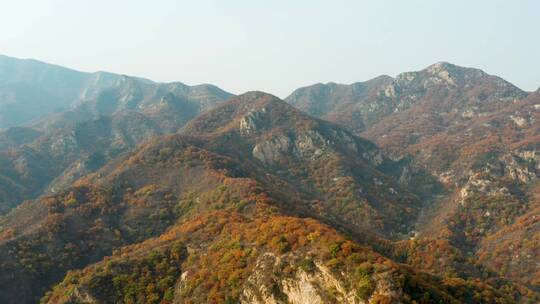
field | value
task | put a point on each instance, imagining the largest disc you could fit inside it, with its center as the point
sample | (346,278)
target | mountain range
(421,188)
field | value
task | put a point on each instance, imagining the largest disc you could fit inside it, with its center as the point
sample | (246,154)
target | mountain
(108,114)
(341,175)
(171,105)
(54,160)
(17,136)
(514,249)
(478,135)
(444,91)
(323,99)
(31,89)
(417,189)
(253,202)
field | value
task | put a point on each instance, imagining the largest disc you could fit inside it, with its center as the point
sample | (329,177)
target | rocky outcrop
(318,286)
(271,150)
(64,145)
(252,121)
(309,145)
(520,167)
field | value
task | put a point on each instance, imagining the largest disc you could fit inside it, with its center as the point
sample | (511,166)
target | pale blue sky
(275,46)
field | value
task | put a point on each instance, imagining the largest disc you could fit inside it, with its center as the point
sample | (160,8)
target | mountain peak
(452,69)
(255,101)
(228,115)
(258,98)
(446,74)
(440,65)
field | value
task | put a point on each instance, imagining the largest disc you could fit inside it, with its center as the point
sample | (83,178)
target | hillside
(444,94)
(423,188)
(254,202)
(112,115)
(478,135)
(171,105)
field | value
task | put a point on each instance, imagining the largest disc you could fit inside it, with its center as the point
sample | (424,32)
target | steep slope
(491,167)
(339,174)
(56,159)
(322,100)
(230,258)
(17,136)
(171,105)
(479,136)
(515,249)
(110,117)
(213,216)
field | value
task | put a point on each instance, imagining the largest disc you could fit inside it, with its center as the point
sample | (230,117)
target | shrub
(308,265)
(72,202)
(365,287)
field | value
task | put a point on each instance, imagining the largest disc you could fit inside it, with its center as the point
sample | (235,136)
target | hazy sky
(275,46)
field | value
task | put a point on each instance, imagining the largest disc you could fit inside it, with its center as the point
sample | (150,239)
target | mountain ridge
(415,189)
(248,183)
(109,119)
(31,89)
(358,109)
(478,136)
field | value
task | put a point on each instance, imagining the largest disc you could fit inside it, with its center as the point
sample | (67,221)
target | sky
(275,46)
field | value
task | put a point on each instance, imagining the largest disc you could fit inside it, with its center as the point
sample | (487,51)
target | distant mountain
(448,91)
(236,208)
(477,134)
(322,99)
(17,136)
(54,160)
(171,105)
(107,115)
(417,189)
(31,89)
(46,162)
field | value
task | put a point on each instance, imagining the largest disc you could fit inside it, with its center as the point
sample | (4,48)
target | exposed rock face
(304,144)
(310,145)
(64,145)
(270,151)
(477,185)
(253,121)
(523,166)
(317,286)
(79,296)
